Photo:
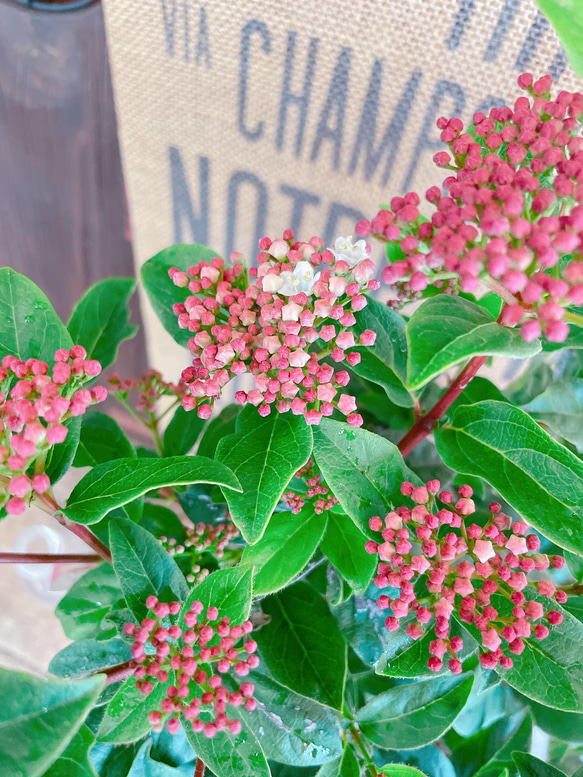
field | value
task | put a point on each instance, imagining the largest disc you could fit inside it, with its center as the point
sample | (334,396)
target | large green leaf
(415,714)
(345,766)
(385,362)
(29,326)
(343,544)
(229,755)
(549,671)
(217,428)
(88,600)
(61,456)
(292,729)
(102,439)
(530,766)
(566,16)
(74,762)
(401,770)
(126,716)
(560,407)
(162,292)
(113,484)
(162,522)
(100,321)
(87,656)
(146,766)
(364,470)
(143,566)
(302,646)
(445,330)
(182,432)
(39,718)
(567,726)
(539,477)
(285,548)
(263,453)
(229,590)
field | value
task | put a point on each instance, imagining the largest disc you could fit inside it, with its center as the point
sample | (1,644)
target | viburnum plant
(371,561)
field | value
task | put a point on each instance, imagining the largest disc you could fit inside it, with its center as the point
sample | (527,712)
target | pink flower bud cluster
(150,386)
(511,217)
(202,538)
(266,321)
(317,493)
(35,402)
(462,565)
(163,651)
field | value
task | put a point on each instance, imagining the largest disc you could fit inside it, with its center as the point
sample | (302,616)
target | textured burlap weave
(241,118)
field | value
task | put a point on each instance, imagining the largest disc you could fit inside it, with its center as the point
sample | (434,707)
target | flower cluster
(463,567)
(163,651)
(150,387)
(200,539)
(317,491)
(510,217)
(36,400)
(266,321)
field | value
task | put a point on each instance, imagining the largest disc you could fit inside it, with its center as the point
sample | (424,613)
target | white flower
(349,252)
(272,282)
(301,279)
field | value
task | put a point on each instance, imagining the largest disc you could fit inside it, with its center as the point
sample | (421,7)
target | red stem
(118,672)
(426,424)
(81,531)
(48,558)
(199,769)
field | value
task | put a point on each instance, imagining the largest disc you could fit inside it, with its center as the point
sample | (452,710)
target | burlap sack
(241,118)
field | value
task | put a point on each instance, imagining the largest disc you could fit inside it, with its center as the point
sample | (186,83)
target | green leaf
(415,714)
(74,762)
(61,456)
(489,752)
(401,770)
(575,564)
(567,726)
(182,432)
(87,656)
(146,766)
(285,548)
(302,646)
(385,362)
(229,590)
(113,484)
(548,671)
(217,428)
(363,470)
(343,544)
(143,567)
(126,717)
(102,440)
(263,453)
(541,479)
(478,390)
(39,718)
(100,321)
(445,330)
(161,522)
(560,407)
(566,17)
(162,292)
(346,766)
(29,326)
(88,600)
(228,755)
(530,766)
(292,729)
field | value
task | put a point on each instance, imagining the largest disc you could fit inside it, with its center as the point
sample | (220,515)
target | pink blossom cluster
(35,402)
(150,387)
(317,492)
(266,321)
(200,539)
(463,565)
(163,651)
(511,217)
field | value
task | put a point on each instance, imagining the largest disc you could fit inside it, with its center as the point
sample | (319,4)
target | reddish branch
(118,672)
(200,767)
(427,423)
(47,501)
(48,558)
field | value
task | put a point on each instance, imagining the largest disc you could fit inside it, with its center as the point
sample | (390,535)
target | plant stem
(359,743)
(199,769)
(426,424)
(50,506)
(118,672)
(573,318)
(47,558)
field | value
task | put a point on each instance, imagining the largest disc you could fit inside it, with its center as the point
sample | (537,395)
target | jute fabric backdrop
(241,118)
